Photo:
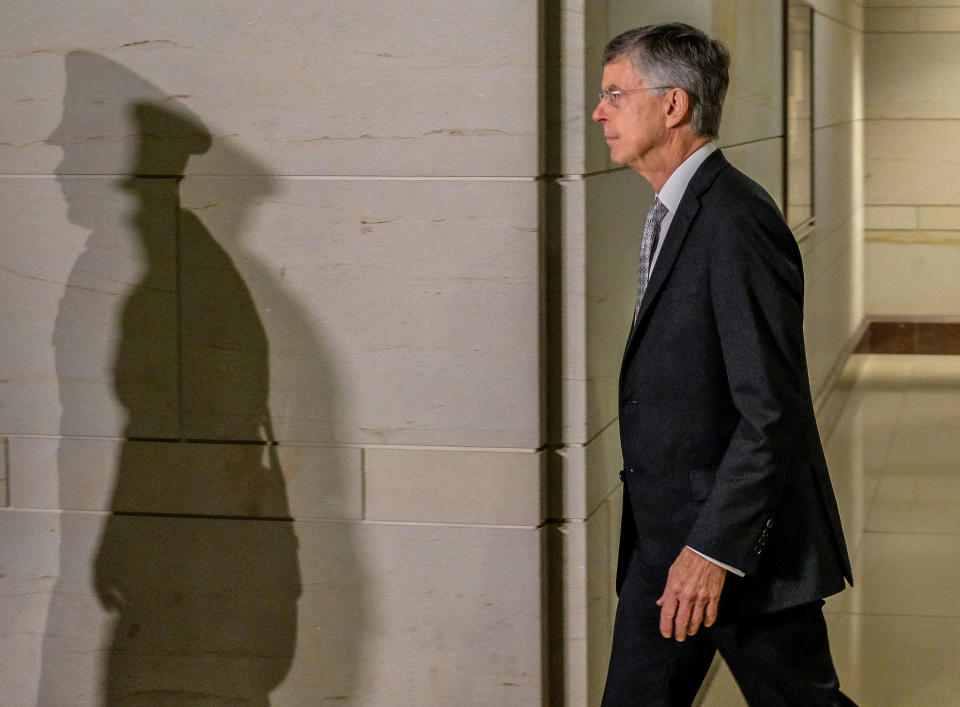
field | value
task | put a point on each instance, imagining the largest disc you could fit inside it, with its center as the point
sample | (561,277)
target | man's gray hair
(681,56)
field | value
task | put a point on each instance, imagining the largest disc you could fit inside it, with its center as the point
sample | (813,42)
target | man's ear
(678,107)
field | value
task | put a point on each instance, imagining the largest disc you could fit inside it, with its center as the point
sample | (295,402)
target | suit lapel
(673,241)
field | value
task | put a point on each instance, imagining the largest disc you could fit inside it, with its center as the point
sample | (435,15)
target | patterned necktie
(648,246)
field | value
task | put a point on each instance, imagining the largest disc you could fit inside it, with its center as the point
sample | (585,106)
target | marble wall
(603,208)
(270,399)
(912,237)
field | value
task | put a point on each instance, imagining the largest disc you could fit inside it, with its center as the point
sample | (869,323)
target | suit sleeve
(756,289)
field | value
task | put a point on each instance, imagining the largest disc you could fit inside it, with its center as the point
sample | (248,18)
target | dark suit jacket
(720,445)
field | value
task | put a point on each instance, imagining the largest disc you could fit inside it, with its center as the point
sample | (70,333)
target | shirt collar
(676,184)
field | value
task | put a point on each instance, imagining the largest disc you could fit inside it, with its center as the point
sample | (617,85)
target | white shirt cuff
(728,568)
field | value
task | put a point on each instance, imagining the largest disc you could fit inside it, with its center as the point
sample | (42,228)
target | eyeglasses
(611,96)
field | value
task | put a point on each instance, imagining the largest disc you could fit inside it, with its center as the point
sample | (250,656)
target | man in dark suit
(729,517)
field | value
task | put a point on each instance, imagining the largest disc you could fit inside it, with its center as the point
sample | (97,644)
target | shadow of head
(166,138)
(107,107)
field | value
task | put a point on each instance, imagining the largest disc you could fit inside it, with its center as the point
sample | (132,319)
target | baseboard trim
(911,336)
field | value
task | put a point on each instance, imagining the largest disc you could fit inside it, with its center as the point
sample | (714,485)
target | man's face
(636,125)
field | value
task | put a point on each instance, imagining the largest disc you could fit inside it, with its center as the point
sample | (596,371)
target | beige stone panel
(837,191)
(88,284)
(908,74)
(908,277)
(849,12)
(590,474)
(914,19)
(599,627)
(830,319)
(583,37)
(84,482)
(32,100)
(603,464)
(615,517)
(369,614)
(938,218)
(623,14)
(761,161)
(573,265)
(892,19)
(185,478)
(616,206)
(938,19)
(4,473)
(392,311)
(198,606)
(892,217)
(464,486)
(584,569)
(570,561)
(911,3)
(824,249)
(368,90)
(412,615)
(603,220)
(752,30)
(838,71)
(50,621)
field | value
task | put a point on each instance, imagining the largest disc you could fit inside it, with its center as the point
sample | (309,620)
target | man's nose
(600,112)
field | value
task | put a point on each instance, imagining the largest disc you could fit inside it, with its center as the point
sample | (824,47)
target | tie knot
(657,211)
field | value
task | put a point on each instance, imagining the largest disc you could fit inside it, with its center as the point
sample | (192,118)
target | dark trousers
(781,658)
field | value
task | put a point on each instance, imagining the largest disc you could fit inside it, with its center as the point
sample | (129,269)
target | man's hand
(691,596)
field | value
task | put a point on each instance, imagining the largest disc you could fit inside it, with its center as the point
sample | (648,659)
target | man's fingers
(691,595)
(668,610)
(710,616)
(696,618)
(682,620)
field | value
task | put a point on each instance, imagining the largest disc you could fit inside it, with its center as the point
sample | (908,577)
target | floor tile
(917,503)
(932,407)
(897,660)
(925,448)
(905,575)
(894,457)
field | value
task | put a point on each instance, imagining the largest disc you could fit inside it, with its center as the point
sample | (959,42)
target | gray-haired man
(730,522)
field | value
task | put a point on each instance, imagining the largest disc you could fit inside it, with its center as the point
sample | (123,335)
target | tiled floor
(894,456)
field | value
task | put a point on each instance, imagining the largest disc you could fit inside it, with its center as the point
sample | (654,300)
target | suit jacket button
(623,476)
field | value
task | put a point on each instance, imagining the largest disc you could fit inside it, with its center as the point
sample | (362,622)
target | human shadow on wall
(197,560)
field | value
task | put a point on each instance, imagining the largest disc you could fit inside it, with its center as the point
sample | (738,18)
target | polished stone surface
(894,458)
(928,260)
(370,89)
(194,609)
(396,311)
(446,486)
